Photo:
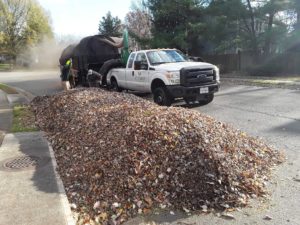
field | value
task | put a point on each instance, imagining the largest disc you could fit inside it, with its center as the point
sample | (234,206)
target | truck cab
(168,75)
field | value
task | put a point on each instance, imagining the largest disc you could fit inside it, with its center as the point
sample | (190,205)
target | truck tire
(189,100)
(161,96)
(114,86)
(208,99)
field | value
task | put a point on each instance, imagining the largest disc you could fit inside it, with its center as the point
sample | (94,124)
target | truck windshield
(165,56)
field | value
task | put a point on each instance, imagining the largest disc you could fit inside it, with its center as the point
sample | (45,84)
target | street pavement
(270,113)
(34,82)
(273,115)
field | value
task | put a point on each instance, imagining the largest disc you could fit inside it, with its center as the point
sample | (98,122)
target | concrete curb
(64,200)
(4,106)
(4,99)
(24,93)
(61,189)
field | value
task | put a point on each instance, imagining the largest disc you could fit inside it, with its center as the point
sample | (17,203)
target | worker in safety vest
(66,70)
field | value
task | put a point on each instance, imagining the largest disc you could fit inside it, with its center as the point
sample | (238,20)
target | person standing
(65,74)
(66,70)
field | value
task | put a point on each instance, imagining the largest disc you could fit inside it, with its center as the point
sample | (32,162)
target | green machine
(125,50)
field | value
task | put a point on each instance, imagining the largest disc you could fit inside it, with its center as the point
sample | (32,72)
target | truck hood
(179,65)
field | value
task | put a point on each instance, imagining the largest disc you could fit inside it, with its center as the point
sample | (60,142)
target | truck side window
(141,57)
(130,61)
(141,62)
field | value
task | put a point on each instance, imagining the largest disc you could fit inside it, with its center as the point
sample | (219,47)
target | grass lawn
(7,90)
(288,81)
(23,119)
(5,66)
(273,81)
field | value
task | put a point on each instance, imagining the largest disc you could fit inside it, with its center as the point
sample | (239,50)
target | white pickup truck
(168,75)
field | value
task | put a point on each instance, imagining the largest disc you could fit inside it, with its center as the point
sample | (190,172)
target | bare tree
(13,16)
(252,29)
(22,23)
(297,9)
(138,22)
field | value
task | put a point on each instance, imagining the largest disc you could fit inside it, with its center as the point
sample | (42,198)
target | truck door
(141,72)
(130,75)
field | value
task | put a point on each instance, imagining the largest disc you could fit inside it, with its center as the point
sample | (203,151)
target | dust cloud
(46,54)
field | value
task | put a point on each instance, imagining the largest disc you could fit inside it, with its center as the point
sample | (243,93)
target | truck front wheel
(161,96)
(190,100)
(208,99)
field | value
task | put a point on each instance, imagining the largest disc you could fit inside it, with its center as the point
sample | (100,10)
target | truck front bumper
(177,91)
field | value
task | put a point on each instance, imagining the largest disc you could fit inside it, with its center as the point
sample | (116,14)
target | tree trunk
(253,31)
(298,16)
(267,47)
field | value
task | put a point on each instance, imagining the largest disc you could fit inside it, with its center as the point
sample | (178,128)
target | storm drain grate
(23,162)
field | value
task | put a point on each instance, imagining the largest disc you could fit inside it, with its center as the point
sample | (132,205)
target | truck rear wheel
(161,96)
(115,86)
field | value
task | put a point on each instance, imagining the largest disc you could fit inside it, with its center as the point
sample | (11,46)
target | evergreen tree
(110,26)
(176,23)
(220,26)
(255,26)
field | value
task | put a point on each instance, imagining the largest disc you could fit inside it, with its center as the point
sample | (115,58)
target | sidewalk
(30,189)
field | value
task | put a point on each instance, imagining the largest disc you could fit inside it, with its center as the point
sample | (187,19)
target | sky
(81,17)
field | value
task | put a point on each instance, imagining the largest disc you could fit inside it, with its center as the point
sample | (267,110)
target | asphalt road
(270,113)
(35,82)
(273,115)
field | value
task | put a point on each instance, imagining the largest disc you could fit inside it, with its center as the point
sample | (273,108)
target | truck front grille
(191,77)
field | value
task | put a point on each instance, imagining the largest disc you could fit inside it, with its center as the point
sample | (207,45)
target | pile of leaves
(119,155)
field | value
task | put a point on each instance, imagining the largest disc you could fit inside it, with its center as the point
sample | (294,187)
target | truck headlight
(173,77)
(217,71)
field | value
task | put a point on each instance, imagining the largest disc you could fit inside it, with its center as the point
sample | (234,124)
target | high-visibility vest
(68,63)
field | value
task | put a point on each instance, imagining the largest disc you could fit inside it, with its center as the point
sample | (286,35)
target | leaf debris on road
(119,155)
